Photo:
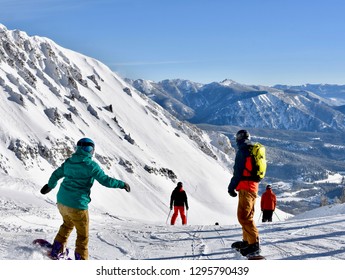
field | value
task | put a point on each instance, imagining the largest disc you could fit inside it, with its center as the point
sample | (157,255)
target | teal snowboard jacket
(79,173)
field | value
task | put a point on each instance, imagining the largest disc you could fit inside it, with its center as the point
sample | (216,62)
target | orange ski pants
(245,215)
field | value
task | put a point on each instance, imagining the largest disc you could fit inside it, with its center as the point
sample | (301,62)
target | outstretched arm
(106,180)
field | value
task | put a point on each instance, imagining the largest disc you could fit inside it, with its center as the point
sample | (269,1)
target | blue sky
(262,42)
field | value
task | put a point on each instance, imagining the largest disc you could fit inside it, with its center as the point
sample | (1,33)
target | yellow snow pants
(74,218)
(245,215)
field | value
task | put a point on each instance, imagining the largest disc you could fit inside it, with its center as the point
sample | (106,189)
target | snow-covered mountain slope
(315,235)
(51,96)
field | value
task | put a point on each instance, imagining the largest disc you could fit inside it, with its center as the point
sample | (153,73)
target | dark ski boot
(238,245)
(251,250)
(57,250)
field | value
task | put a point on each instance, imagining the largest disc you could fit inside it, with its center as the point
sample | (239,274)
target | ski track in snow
(113,237)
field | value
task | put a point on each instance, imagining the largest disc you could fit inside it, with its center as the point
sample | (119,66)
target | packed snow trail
(116,238)
(26,215)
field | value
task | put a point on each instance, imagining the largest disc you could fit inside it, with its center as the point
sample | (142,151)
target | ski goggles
(87,146)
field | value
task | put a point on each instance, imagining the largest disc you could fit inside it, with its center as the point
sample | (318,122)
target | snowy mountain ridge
(51,96)
(333,92)
(229,103)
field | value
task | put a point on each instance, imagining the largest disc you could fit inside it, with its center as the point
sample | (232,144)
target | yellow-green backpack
(258,152)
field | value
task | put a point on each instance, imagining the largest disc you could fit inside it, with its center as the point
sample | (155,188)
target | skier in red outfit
(268,204)
(179,200)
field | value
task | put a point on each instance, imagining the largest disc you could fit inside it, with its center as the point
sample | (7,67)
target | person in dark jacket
(247,186)
(179,200)
(79,172)
(268,204)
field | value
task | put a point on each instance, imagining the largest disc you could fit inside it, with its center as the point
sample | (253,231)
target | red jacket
(268,200)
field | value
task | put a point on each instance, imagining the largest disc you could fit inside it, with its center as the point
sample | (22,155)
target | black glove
(45,189)
(232,193)
(127,187)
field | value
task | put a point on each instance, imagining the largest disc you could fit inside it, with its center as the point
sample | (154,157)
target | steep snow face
(51,96)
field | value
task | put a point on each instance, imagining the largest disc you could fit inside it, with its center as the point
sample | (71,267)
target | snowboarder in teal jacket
(79,173)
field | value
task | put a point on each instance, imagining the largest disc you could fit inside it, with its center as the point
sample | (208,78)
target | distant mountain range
(335,93)
(231,103)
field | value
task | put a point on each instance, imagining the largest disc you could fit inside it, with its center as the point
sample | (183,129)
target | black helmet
(242,135)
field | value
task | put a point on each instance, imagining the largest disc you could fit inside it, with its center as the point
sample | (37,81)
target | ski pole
(276,215)
(168,217)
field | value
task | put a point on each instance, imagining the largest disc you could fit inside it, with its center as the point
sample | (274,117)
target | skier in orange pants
(179,200)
